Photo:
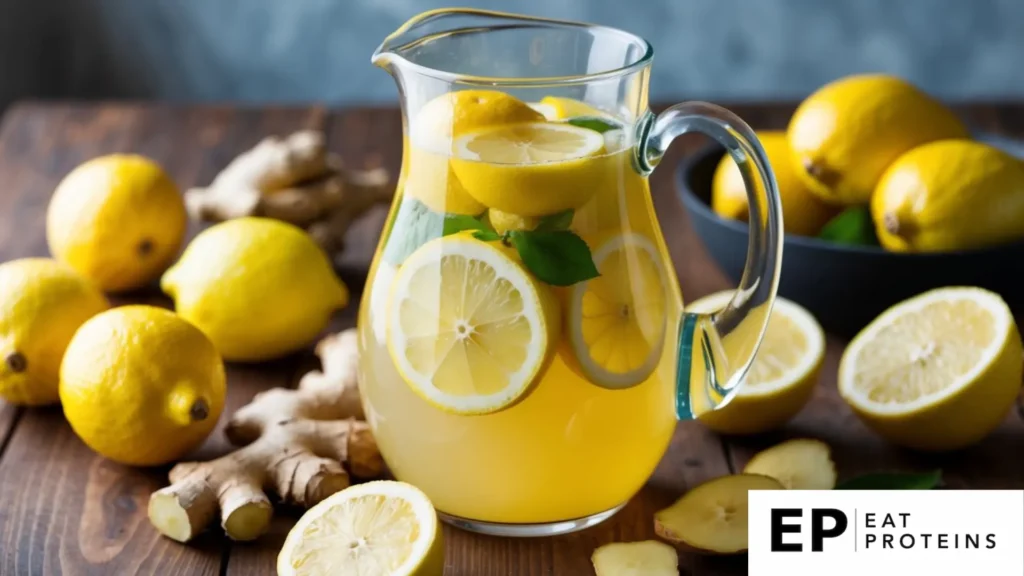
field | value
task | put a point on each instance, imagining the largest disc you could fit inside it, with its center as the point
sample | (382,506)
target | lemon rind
(805,321)
(504,267)
(421,505)
(988,300)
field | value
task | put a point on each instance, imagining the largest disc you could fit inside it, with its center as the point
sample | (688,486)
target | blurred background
(282,51)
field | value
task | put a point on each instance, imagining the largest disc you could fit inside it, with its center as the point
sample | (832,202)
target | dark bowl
(845,287)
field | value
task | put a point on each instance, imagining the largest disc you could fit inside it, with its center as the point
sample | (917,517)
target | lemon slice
(468,328)
(549,111)
(617,320)
(782,377)
(383,528)
(532,169)
(936,372)
(529,143)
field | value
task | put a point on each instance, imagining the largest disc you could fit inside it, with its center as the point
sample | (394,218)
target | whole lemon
(42,303)
(141,386)
(118,220)
(803,213)
(259,288)
(950,195)
(844,135)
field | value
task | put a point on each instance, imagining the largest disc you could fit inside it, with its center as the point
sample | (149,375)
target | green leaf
(414,225)
(893,481)
(559,258)
(486,235)
(559,221)
(851,226)
(595,123)
(454,223)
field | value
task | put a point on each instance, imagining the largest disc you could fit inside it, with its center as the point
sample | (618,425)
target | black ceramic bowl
(845,287)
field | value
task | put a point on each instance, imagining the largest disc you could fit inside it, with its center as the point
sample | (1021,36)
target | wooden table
(65,510)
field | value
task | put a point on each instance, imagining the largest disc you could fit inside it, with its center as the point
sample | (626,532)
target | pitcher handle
(716,350)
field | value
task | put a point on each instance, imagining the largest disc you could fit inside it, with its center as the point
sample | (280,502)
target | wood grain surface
(64,510)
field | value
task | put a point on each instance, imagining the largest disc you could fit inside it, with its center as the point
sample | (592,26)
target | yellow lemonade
(583,431)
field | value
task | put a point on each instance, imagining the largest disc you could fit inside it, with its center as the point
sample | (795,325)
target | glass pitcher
(525,354)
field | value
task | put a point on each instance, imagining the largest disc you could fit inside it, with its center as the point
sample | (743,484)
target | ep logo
(787,528)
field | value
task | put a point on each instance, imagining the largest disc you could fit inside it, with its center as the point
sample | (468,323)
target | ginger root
(644,558)
(296,180)
(295,442)
(798,464)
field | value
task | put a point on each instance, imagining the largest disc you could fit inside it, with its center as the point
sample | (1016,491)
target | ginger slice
(646,558)
(712,518)
(801,464)
(297,442)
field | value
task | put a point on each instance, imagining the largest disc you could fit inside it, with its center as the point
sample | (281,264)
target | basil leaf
(559,221)
(486,235)
(893,481)
(595,123)
(559,257)
(852,226)
(454,223)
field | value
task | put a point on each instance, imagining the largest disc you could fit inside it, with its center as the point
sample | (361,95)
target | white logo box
(899,532)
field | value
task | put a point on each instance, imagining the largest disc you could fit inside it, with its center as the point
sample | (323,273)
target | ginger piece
(801,464)
(646,558)
(328,394)
(297,441)
(712,518)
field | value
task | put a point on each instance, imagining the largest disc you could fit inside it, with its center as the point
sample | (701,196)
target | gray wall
(304,50)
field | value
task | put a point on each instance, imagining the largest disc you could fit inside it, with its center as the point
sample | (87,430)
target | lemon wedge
(468,328)
(382,528)
(616,322)
(782,377)
(936,372)
(532,168)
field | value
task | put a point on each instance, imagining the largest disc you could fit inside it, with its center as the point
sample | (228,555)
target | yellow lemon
(380,528)
(950,195)
(848,132)
(42,303)
(259,288)
(616,321)
(803,213)
(532,169)
(118,220)
(506,221)
(455,113)
(141,386)
(430,179)
(936,372)
(561,108)
(782,377)
(469,329)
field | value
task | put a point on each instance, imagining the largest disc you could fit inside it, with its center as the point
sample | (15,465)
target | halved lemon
(468,328)
(531,169)
(382,528)
(781,380)
(616,322)
(936,372)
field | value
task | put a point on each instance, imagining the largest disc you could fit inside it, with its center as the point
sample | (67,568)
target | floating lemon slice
(382,528)
(936,372)
(531,169)
(782,377)
(617,320)
(468,328)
